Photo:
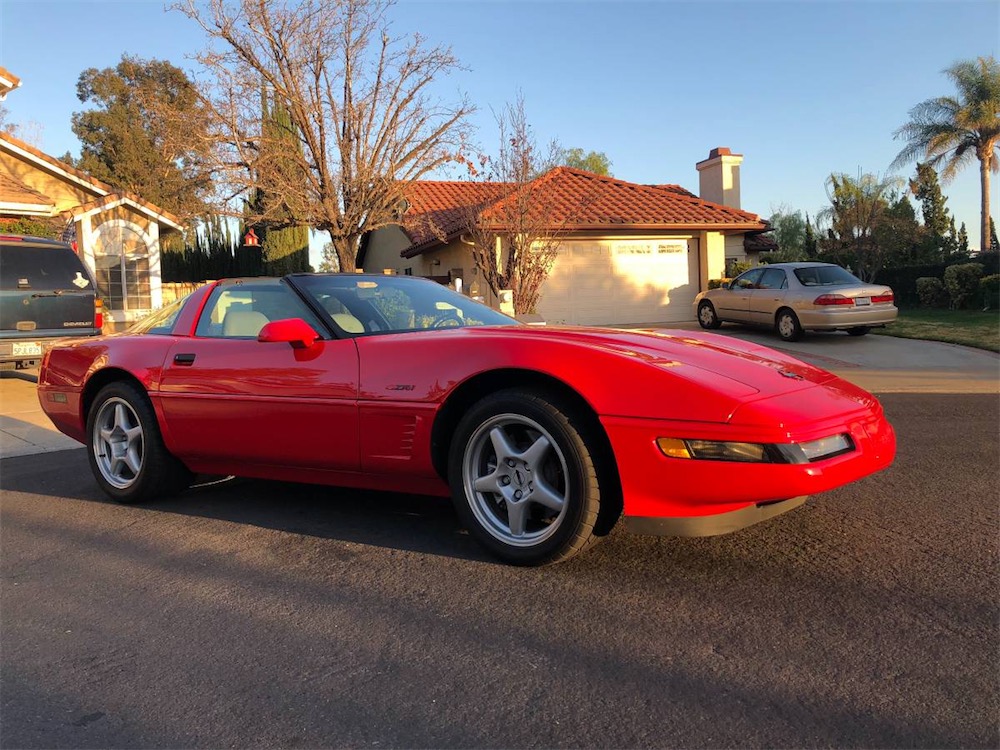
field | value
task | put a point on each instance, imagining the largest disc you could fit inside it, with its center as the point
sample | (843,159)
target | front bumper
(672,490)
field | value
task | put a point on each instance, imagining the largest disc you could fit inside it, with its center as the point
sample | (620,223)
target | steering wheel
(447,319)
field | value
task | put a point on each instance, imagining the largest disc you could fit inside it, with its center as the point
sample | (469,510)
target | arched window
(121,260)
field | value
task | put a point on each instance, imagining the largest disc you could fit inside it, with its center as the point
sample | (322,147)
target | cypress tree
(809,243)
(927,189)
(285,245)
(963,240)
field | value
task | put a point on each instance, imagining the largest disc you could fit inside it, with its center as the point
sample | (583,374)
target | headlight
(826,447)
(766,453)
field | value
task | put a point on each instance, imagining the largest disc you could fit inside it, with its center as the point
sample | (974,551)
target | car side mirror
(726,285)
(294,331)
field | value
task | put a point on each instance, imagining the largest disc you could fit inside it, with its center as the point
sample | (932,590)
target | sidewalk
(24,428)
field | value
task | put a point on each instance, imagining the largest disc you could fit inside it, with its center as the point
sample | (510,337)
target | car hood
(704,357)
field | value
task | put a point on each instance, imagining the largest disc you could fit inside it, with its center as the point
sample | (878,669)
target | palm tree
(952,130)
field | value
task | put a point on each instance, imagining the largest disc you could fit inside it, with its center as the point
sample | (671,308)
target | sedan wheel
(787,326)
(707,317)
(523,479)
(126,450)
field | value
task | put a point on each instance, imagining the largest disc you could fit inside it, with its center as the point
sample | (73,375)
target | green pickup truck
(47,294)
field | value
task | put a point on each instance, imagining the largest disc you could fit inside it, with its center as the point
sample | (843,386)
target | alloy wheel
(515,476)
(118,443)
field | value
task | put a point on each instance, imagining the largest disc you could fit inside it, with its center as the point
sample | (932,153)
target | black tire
(707,317)
(787,326)
(858,331)
(126,450)
(550,459)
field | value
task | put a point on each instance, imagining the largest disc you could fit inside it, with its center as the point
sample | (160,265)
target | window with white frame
(121,262)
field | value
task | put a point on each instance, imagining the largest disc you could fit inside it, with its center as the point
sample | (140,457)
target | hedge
(904,280)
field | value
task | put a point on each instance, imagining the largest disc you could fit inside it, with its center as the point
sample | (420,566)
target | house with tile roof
(629,253)
(116,233)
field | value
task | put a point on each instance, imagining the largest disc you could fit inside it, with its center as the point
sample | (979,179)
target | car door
(228,398)
(768,296)
(734,304)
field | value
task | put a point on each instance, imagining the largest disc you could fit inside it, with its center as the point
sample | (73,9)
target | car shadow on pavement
(414,523)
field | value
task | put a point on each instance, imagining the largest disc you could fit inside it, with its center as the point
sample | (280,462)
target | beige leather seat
(243,323)
(348,322)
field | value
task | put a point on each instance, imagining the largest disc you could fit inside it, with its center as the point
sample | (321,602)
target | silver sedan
(796,297)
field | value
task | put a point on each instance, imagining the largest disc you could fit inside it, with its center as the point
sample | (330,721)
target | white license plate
(29,349)
(862,301)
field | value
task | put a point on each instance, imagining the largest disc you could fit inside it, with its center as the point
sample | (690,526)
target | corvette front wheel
(125,447)
(523,478)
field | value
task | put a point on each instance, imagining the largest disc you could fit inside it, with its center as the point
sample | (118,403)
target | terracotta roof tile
(438,211)
(13,190)
(575,200)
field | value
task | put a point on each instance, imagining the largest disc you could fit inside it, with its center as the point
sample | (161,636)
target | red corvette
(543,436)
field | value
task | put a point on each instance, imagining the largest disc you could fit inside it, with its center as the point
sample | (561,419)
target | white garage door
(622,282)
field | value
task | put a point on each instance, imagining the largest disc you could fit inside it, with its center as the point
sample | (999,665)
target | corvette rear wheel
(523,479)
(126,450)
(707,317)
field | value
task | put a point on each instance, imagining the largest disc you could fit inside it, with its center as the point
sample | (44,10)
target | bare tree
(360,103)
(518,221)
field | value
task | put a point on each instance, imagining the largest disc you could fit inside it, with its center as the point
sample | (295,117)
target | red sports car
(542,435)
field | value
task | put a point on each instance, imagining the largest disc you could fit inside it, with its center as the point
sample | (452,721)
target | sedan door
(228,398)
(768,296)
(734,303)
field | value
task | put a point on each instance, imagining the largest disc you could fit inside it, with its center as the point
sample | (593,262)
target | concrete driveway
(885,364)
(881,364)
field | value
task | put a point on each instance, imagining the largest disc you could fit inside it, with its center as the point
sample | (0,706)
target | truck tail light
(98,314)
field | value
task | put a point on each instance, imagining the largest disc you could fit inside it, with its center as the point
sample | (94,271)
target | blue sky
(801,89)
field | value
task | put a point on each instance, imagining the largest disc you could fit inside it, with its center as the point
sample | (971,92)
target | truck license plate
(28,349)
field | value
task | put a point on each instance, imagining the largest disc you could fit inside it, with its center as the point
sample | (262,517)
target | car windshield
(393,304)
(825,276)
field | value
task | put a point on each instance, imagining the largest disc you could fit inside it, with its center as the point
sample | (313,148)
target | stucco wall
(384,246)
(713,256)
(64,193)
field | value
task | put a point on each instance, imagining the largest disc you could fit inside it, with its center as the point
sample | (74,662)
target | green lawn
(966,327)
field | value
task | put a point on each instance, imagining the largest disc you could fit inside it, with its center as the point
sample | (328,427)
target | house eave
(52,165)
(28,209)
(91,209)
(729,228)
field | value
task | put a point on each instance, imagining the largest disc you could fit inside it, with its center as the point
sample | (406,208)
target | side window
(773,278)
(240,311)
(749,279)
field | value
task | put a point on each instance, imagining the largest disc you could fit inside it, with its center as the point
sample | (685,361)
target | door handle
(185,360)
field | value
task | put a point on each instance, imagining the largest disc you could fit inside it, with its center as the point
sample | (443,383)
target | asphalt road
(252,614)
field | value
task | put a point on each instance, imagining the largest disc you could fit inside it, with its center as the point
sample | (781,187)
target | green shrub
(989,291)
(715,283)
(962,282)
(931,292)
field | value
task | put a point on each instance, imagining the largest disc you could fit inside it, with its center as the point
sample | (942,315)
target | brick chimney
(719,177)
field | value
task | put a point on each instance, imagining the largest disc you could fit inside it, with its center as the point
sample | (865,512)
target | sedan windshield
(392,304)
(825,276)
